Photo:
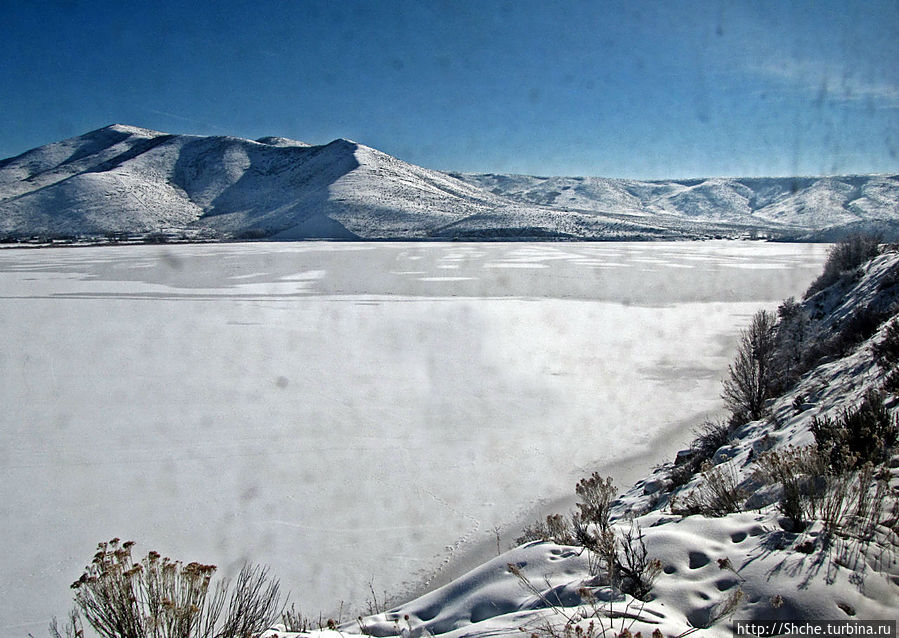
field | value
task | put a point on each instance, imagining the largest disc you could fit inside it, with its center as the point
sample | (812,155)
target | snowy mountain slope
(811,204)
(124,179)
(589,194)
(386,197)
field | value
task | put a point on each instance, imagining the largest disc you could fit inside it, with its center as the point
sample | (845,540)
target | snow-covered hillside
(123,180)
(802,208)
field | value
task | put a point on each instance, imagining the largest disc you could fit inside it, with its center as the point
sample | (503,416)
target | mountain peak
(344,143)
(129,130)
(281,142)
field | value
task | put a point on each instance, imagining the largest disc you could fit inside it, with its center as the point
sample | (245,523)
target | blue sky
(620,89)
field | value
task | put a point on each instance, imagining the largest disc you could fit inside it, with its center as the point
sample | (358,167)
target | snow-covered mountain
(128,180)
(802,207)
(122,179)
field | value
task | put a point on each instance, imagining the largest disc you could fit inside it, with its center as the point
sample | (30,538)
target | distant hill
(807,208)
(124,180)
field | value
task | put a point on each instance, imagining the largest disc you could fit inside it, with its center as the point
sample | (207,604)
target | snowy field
(355,415)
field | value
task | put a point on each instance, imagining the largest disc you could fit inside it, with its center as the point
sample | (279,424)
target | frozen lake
(350,414)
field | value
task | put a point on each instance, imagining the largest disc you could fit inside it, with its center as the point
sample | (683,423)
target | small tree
(886,353)
(793,332)
(751,377)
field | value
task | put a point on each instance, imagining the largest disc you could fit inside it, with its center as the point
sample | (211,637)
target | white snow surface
(704,560)
(123,179)
(347,413)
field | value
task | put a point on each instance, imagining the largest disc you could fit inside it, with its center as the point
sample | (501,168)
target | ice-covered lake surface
(357,416)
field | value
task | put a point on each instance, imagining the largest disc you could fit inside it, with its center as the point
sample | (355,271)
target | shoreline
(624,472)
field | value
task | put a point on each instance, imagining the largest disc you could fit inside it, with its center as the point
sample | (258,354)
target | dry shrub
(596,494)
(707,439)
(798,470)
(161,598)
(844,258)
(861,435)
(857,327)
(592,526)
(554,528)
(886,354)
(850,503)
(752,377)
(638,571)
(717,495)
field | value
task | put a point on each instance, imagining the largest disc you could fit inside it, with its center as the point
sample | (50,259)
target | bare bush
(710,436)
(799,473)
(536,531)
(294,621)
(858,436)
(708,439)
(717,495)
(596,494)
(621,557)
(253,605)
(793,335)
(850,503)
(834,502)
(724,609)
(870,504)
(74,628)
(845,257)
(859,326)
(560,529)
(637,570)
(592,526)
(593,617)
(554,528)
(680,474)
(163,598)
(886,354)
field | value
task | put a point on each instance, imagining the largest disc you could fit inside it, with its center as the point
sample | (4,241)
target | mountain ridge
(123,179)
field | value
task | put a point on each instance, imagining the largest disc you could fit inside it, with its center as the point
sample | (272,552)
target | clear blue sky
(621,89)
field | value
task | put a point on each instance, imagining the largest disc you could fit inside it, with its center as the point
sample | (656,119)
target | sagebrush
(864,434)
(161,598)
(717,494)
